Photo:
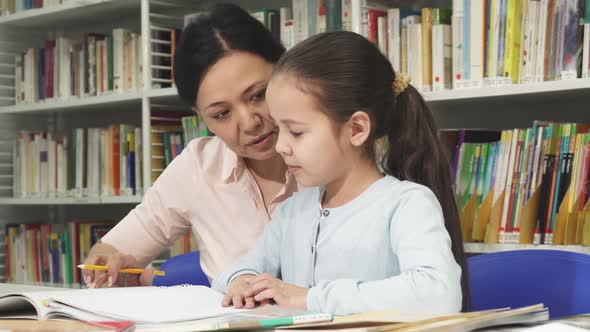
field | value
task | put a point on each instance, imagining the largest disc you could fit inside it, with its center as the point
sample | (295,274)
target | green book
(110,64)
(67,258)
(333,15)
(482,173)
(467,170)
(167,150)
(441,16)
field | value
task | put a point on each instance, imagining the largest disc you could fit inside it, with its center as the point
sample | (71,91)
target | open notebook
(142,305)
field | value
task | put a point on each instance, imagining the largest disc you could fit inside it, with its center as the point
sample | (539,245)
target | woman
(227,187)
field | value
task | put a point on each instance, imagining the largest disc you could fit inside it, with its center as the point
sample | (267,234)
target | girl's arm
(265,257)
(430,278)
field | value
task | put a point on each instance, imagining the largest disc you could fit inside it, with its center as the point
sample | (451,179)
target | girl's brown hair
(347,73)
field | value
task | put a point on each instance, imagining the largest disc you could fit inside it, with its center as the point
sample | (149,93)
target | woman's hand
(235,293)
(266,287)
(104,254)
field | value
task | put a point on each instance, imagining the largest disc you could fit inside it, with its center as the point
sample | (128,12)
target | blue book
(131,171)
(564,148)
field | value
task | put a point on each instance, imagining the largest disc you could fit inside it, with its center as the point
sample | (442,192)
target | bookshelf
(69,13)
(481,248)
(578,86)
(128,101)
(71,200)
(499,107)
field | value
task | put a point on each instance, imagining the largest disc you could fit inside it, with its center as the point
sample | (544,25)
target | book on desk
(198,308)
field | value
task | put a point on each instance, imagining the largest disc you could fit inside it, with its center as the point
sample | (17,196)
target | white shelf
(467,93)
(482,248)
(509,90)
(71,200)
(163,93)
(122,100)
(69,13)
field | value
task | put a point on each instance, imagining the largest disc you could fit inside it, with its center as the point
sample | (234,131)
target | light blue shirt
(386,249)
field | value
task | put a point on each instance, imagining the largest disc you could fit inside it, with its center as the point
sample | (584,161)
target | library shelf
(484,248)
(124,100)
(71,200)
(581,85)
(69,13)
(575,85)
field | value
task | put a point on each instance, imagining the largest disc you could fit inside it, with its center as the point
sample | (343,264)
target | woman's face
(231,101)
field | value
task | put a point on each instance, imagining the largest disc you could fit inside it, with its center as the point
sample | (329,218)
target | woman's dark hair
(347,73)
(210,37)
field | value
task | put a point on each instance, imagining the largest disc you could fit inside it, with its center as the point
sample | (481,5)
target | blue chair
(181,270)
(558,279)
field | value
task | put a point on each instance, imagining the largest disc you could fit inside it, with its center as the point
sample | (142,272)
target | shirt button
(326,213)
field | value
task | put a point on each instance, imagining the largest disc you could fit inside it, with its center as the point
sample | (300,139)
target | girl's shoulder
(301,200)
(391,191)
(411,193)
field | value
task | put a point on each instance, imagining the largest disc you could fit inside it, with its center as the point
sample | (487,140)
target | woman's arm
(151,226)
(429,280)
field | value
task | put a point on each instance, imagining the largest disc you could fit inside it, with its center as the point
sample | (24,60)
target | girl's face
(316,151)
(231,101)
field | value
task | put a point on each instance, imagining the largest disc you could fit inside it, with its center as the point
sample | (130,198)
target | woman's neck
(357,179)
(272,169)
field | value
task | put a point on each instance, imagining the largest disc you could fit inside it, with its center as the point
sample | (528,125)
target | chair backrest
(181,270)
(558,279)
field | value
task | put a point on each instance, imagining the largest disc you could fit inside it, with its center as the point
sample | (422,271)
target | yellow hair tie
(401,82)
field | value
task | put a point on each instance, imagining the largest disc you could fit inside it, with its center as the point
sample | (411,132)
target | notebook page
(148,304)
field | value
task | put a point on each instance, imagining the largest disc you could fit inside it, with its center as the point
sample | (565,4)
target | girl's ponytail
(415,153)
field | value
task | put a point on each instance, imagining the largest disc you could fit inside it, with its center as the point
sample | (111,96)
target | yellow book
(404,49)
(512,49)
(576,141)
(158,164)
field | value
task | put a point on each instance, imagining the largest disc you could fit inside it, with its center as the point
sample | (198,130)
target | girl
(357,240)
(223,188)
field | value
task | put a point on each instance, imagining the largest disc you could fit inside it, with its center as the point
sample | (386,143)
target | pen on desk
(125,270)
(280,321)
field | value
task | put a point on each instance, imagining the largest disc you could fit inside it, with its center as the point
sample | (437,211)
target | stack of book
(523,185)
(49,253)
(65,68)
(92,162)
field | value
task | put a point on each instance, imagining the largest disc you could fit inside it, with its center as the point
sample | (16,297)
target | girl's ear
(360,124)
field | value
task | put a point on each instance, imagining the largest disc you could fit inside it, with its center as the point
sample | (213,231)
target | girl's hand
(104,254)
(235,293)
(266,287)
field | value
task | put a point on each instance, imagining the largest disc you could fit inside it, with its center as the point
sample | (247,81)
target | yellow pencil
(125,270)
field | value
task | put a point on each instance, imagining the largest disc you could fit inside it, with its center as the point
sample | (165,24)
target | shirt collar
(233,168)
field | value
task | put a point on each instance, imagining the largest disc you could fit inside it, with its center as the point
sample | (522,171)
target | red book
(45,236)
(373,25)
(515,180)
(49,68)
